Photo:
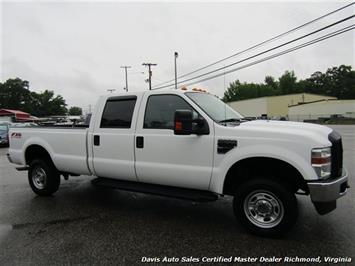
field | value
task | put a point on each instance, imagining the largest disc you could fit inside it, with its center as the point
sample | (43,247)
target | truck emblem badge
(16,135)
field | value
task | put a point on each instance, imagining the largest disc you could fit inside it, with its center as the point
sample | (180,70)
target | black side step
(168,191)
(22,168)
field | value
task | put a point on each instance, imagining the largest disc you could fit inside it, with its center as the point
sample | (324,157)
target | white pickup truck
(188,144)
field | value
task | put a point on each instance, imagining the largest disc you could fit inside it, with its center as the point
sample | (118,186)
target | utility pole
(175,57)
(125,69)
(149,65)
(224,77)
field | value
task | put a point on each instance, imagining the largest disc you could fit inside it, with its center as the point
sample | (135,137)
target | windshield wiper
(230,120)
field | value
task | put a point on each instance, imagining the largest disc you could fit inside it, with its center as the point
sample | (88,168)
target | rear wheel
(265,207)
(44,179)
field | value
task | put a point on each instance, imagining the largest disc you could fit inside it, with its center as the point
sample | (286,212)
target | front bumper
(325,193)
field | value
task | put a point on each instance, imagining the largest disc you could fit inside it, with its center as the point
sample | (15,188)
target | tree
(336,81)
(272,83)
(287,83)
(14,94)
(240,91)
(75,110)
(231,94)
(48,104)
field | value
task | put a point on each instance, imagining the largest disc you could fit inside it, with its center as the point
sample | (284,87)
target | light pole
(125,69)
(175,56)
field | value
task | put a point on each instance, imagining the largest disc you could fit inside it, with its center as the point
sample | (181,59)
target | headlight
(321,161)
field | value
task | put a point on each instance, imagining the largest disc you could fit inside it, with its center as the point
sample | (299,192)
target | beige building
(324,108)
(274,106)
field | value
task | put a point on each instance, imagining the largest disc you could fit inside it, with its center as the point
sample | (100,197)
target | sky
(77,48)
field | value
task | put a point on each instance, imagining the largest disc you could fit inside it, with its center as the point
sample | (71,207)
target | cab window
(160,111)
(118,113)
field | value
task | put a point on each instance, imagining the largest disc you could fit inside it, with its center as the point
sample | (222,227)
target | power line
(262,43)
(324,37)
(159,79)
(261,53)
(319,39)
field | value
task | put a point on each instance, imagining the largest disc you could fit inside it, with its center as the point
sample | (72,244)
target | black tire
(265,207)
(43,177)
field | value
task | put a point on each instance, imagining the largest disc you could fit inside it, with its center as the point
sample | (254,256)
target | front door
(165,158)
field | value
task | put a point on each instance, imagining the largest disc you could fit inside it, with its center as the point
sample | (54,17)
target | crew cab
(189,144)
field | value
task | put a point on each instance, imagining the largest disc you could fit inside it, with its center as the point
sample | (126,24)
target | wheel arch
(266,167)
(35,151)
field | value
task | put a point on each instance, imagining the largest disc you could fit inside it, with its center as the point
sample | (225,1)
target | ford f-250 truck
(189,144)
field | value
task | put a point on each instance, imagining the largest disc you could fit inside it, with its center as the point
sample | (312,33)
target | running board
(168,191)
(22,168)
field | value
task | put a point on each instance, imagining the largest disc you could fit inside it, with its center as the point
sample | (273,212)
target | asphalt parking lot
(82,224)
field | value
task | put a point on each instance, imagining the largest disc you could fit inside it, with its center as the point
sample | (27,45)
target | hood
(287,130)
(288,125)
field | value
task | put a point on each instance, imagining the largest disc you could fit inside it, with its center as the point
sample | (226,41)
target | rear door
(113,140)
(168,159)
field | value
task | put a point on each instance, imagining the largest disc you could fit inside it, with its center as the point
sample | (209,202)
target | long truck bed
(66,145)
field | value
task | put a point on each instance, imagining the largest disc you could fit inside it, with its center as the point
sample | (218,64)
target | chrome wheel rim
(263,209)
(39,178)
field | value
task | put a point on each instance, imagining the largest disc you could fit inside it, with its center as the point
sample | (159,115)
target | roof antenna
(224,89)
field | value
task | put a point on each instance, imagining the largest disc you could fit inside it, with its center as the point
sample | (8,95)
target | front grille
(337,154)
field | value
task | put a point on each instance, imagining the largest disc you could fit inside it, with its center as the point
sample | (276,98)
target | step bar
(168,191)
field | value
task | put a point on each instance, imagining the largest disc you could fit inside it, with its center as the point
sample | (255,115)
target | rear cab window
(118,112)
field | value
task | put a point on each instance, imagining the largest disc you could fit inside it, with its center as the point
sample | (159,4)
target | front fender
(226,161)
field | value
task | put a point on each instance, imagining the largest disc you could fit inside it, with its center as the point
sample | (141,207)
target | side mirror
(185,125)
(183,122)
(200,126)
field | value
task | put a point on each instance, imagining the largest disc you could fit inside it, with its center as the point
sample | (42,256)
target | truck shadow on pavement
(86,220)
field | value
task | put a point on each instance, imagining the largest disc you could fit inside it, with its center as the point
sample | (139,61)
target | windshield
(214,107)
(3,128)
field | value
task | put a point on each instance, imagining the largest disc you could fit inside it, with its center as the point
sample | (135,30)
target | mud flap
(325,207)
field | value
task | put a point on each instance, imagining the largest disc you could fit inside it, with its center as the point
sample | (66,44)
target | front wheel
(43,177)
(265,207)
